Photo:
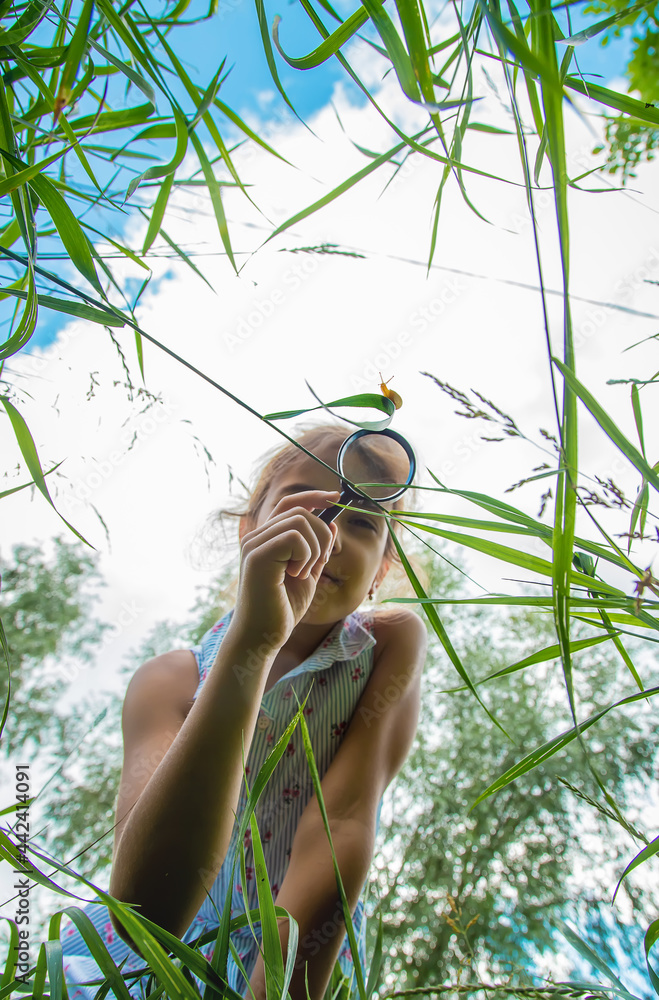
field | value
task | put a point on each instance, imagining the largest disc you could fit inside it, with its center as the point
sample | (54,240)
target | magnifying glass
(383,461)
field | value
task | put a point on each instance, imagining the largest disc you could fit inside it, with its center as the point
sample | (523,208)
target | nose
(336,548)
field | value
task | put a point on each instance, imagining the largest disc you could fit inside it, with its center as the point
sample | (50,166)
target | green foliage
(45,605)
(479,888)
(629,140)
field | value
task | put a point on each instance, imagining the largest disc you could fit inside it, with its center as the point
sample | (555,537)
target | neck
(302,642)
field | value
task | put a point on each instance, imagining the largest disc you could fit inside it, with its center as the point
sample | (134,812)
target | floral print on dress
(357,673)
(289,794)
(339,728)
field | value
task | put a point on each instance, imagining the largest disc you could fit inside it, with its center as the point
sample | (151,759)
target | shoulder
(167,683)
(399,631)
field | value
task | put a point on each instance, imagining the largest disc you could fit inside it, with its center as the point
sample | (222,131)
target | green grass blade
(396,50)
(244,127)
(328,47)
(350,930)
(647,113)
(534,564)
(340,189)
(136,78)
(28,321)
(55,966)
(69,229)
(376,961)
(166,169)
(158,212)
(638,417)
(4,645)
(438,627)
(12,955)
(641,857)
(552,652)
(368,400)
(71,308)
(98,951)
(75,51)
(271,940)
(651,938)
(582,36)
(28,450)
(39,980)
(609,427)
(588,954)
(269,54)
(624,655)
(184,257)
(542,753)
(216,197)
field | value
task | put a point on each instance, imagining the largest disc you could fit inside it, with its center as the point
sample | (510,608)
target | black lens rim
(387,432)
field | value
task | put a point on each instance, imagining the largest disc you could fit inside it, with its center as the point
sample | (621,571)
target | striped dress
(334,678)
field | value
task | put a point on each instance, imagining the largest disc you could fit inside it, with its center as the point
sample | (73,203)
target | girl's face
(357,562)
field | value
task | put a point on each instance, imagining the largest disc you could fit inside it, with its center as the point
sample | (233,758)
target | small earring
(370,594)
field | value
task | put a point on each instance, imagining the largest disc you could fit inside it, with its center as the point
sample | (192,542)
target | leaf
(328,47)
(599,26)
(29,452)
(158,212)
(75,51)
(621,102)
(69,229)
(542,753)
(369,400)
(350,931)
(166,169)
(608,425)
(271,940)
(438,627)
(216,197)
(78,309)
(651,937)
(641,857)
(587,952)
(28,321)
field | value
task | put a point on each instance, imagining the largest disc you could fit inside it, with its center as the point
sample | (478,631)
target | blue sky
(234,33)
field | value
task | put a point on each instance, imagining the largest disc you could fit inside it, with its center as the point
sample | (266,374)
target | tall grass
(61,92)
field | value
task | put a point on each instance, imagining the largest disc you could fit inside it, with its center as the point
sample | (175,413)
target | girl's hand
(281,563)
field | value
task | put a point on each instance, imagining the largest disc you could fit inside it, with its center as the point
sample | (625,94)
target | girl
(295,630)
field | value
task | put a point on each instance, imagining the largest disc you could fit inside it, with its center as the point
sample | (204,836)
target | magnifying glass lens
(378,465)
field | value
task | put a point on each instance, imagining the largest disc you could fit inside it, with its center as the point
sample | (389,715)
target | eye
(364,522)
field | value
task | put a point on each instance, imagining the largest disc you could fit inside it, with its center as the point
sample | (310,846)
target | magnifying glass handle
(329,514)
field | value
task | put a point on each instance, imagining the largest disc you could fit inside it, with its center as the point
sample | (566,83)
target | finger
(321,530)
(290,539)
(309,499)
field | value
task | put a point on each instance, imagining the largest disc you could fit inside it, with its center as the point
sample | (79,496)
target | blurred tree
(479,889)
(46,609)
(457,887)
(629,140)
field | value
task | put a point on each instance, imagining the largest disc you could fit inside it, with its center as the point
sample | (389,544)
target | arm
(182,772)
(375,747)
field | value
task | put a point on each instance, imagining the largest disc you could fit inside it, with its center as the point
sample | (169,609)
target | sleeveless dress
(334,678)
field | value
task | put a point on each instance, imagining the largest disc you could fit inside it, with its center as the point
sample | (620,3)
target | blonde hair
(312,438)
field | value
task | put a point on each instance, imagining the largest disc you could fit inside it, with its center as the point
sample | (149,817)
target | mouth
(329,578)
